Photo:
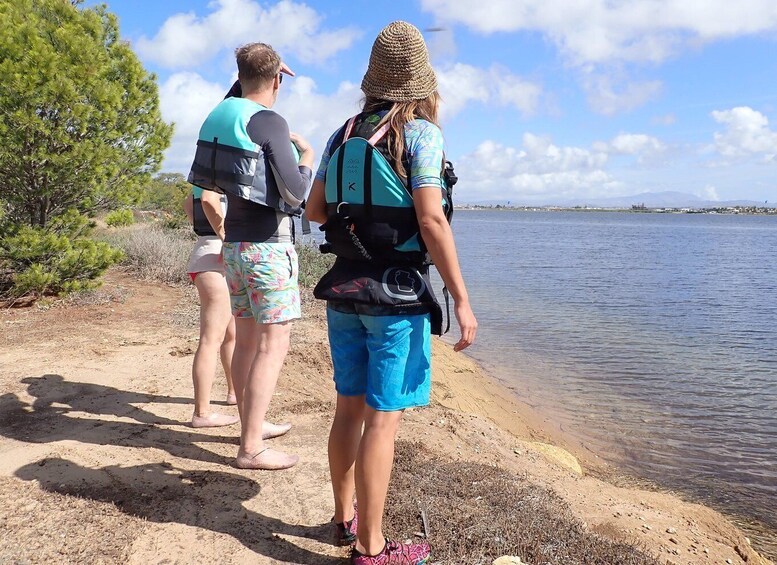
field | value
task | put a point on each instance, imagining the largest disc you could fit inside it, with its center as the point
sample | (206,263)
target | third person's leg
(227,352)
(344,439)
(215,317)
(374,462)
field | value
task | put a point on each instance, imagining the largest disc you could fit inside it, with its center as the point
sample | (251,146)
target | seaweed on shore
(477,513)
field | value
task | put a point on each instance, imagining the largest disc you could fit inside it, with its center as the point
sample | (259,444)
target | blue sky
(544,100)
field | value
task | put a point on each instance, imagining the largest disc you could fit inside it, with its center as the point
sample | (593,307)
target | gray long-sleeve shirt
(249,221)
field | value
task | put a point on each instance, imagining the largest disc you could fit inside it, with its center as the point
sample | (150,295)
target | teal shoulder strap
(367,149)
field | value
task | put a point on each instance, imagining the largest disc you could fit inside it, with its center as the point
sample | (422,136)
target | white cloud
(604,98)
(632,144)
(603,30)
(186,99)
(747,134)
(709,192)
(644,147)
(537,169)
(461,85)
(186,40)
(316,116)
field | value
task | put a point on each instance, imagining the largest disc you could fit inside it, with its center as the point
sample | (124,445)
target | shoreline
(105,399)
(490,397)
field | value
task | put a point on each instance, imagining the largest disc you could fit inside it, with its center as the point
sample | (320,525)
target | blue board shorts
(385,358)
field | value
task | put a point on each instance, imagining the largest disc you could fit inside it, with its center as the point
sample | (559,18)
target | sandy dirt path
(98,464)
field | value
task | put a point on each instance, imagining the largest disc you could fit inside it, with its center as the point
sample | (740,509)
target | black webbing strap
(228,148)
(447,296)
(368,151)
(214,175)
(213,162)
(339,171)
(305,224)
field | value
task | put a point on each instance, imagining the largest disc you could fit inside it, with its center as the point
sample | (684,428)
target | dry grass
(477,513)
(154,252)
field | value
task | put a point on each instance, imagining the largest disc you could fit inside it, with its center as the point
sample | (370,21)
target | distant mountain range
(668,199)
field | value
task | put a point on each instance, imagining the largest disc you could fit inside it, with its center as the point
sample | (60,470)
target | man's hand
(467,324)
(302,145)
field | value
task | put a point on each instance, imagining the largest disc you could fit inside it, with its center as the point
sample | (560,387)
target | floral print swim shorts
(262,279)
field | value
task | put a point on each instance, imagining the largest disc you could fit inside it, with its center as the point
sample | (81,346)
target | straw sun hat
(399,68)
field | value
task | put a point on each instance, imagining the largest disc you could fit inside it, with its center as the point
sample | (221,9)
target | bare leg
(374,461)
(246,341)
(215,317)
(258,386)
(344,439)
(227,351)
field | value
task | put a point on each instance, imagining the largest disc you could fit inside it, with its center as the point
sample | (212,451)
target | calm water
(651,338)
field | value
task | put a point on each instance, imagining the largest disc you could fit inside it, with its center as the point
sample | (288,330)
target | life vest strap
(339,173)
(349,127)
(368,156)
(378,135)
(227,148)
(215,175)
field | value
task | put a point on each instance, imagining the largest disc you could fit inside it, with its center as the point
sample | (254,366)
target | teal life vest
(370,211)
(228,161)
(382,266)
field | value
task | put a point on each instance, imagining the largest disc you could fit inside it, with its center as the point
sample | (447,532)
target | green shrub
(58,259)
(119,218)
(163,196)
(312,264)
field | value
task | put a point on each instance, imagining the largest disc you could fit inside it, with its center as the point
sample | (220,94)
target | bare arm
(211,205)
(315,209)
(188,207)
(438,237)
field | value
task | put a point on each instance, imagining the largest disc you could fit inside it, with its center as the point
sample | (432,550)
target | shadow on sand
(158,492)
(49,419)
(164,494)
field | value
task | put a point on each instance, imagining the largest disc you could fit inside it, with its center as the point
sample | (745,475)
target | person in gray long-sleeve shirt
(246,151)
(249,221)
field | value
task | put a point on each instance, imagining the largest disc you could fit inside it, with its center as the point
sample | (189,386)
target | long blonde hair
(399,113)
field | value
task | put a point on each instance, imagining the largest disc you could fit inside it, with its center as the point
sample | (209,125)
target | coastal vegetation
(81,134)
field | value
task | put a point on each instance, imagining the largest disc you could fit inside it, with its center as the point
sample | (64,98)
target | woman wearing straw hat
(381,348)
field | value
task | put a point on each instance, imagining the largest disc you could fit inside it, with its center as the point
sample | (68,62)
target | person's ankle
(202,413)
(249,450)
(372,547)
(346,515)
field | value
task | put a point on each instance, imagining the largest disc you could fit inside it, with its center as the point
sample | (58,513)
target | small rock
(517,451)
(508,560)
(707,551)
(645,526)
(673,540)
(729,561)
(671,531)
